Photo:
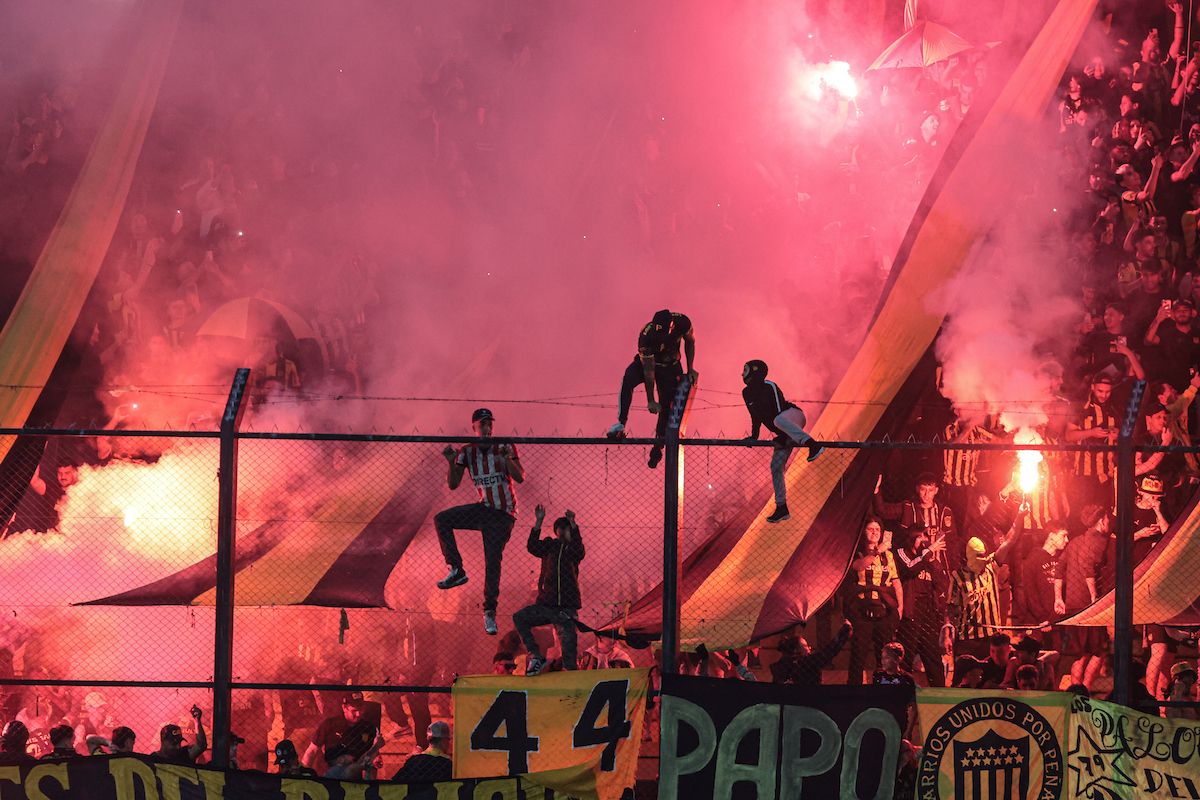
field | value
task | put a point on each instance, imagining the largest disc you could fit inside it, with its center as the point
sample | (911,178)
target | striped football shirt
(494,484)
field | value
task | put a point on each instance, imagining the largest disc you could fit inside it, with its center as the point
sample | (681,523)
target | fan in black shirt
(656,365)
(769,408)
(432,765)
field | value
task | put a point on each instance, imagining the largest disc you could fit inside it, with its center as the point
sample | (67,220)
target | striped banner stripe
(728,604)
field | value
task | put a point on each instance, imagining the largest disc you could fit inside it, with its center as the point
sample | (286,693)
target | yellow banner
(579,730)
(34,333)
(993,744)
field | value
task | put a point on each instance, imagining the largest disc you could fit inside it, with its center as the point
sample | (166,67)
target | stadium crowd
(960,572)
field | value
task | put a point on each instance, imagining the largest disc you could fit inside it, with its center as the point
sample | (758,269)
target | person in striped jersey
(974,599)
(770,409)
(1095,423)
(960,466)
(493,468)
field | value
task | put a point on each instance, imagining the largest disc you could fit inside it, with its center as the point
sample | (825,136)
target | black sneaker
(457,577)
(815,449)
(780,513)
(655,457)
(535,666)
(617,431)
(489,623)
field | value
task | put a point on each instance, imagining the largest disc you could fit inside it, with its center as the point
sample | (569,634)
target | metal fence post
(1123,578)
(672,512)
(231,421)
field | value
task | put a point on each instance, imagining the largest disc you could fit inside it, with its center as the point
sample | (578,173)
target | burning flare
(1028,459)
(833,76)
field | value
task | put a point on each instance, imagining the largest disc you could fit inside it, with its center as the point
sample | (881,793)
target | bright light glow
(1028,460)
(833,76)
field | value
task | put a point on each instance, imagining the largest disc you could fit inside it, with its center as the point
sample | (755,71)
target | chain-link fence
(110,577)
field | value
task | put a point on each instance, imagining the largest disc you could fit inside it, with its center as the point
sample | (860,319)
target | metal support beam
(1123,599)
(672,513)
(231,421)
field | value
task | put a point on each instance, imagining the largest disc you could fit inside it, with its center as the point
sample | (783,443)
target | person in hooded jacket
(770,409)
(558,589)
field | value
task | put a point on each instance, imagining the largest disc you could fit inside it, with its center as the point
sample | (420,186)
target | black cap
(481,414)
(353,699)
(285,752)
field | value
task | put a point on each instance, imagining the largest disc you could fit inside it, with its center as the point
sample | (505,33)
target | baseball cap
(439,730)
(1151,484)
(235,739)
(481,414)
(285,752)
(1184,303)
(353,699)
(171,733)
(1126,169)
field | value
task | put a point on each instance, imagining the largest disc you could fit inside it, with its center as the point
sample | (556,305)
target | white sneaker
(489,623)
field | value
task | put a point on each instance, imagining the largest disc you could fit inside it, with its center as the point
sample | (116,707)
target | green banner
(1116,752)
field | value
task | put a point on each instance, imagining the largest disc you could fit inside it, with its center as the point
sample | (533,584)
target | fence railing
(147,571)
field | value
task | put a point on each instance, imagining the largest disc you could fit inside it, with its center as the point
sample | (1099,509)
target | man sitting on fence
(768,408)
(558,589)
(656,366)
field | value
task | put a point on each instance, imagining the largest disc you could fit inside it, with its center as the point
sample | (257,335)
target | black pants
(922,637)
(871,633)
(496,527)
(666,382)
(561,618)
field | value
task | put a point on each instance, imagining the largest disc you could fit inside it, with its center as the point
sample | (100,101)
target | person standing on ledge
(768,408)
(493,469)
(656,365)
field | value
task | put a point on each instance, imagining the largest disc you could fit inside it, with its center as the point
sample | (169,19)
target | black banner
(141,778)
(736,739)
